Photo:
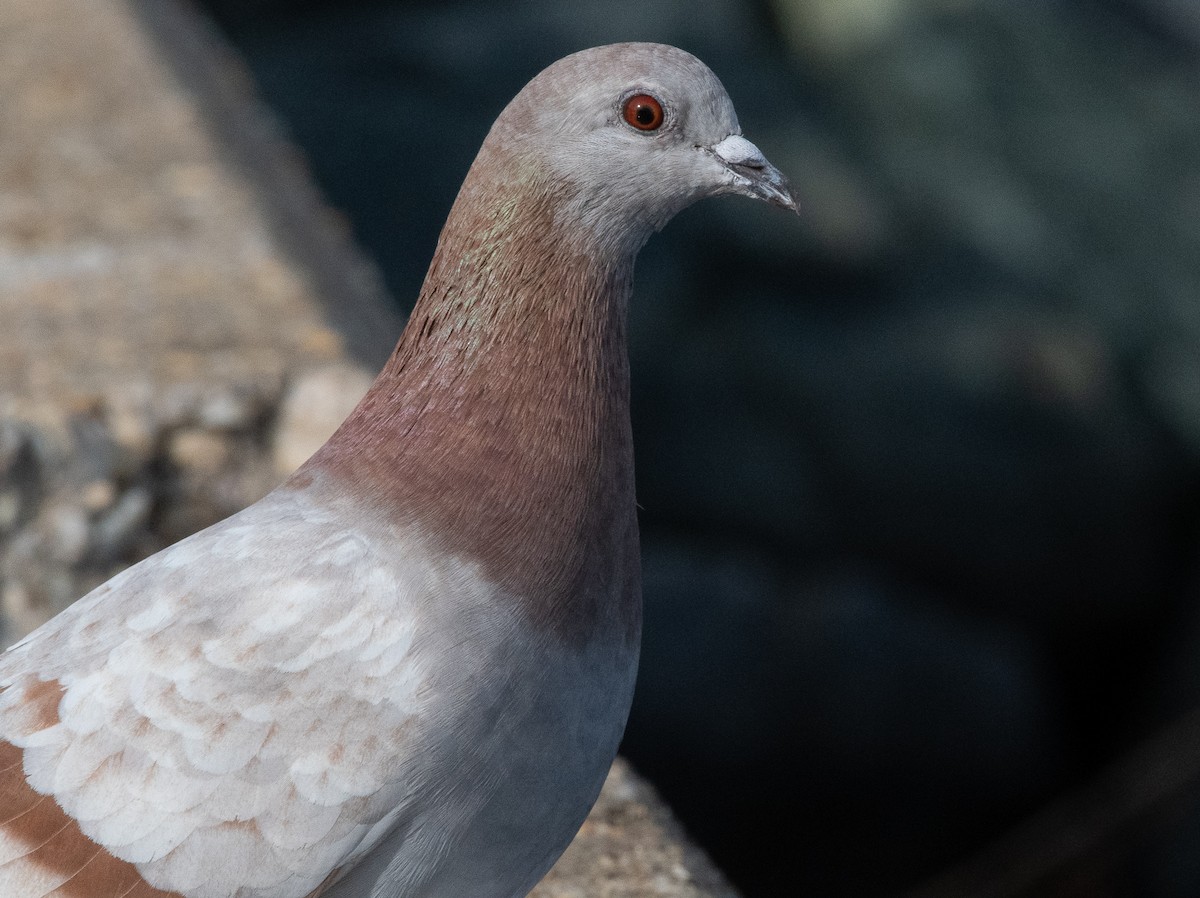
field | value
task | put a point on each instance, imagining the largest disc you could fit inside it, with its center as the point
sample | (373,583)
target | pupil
(644,115)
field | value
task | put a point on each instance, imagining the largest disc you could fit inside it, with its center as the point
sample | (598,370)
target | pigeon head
(632,134)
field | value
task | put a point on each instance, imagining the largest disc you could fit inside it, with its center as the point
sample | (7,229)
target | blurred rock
(629,847)
(116,531)
(150,323)
(197,448)
(842,28)
(313,407)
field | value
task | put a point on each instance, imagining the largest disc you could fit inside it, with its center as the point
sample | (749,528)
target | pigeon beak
(753,175)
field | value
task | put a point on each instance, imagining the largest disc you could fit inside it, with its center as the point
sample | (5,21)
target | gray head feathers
(568,126)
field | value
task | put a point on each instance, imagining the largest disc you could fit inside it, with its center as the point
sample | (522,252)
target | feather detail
(173,726)
(43,853)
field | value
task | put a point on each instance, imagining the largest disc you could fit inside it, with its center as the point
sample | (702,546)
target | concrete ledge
(183,322)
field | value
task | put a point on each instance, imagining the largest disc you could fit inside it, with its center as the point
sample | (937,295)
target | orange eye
(644,112)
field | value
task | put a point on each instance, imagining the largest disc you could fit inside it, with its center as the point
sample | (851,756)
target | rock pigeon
(405,671)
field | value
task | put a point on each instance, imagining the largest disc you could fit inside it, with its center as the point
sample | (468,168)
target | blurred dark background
(921,471)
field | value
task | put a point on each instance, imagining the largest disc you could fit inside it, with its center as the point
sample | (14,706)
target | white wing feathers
(234,709)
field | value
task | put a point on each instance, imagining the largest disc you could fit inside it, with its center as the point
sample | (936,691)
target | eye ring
(643,112)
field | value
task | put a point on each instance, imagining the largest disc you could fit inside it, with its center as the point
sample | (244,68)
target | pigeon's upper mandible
(405,672)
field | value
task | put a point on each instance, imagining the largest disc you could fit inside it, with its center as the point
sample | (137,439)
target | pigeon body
(406,671)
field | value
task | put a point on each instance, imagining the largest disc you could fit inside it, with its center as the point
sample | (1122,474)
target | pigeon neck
(500,425)
(514,289)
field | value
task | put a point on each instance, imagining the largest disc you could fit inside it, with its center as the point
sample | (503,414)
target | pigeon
(404,673)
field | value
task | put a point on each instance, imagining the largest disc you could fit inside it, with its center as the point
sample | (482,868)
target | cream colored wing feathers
(231,716)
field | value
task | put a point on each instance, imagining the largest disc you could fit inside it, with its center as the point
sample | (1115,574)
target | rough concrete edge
(351,289)
(704,872)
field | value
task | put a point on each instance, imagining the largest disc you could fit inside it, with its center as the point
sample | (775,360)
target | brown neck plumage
(500,425)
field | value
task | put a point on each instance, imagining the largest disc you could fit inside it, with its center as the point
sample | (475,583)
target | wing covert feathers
(232,734)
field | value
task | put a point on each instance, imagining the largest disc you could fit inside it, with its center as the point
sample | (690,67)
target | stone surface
(184,323)
(631,847)
(152,316)
(312,408)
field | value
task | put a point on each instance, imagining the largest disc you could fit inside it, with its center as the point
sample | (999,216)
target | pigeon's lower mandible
(405,672)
